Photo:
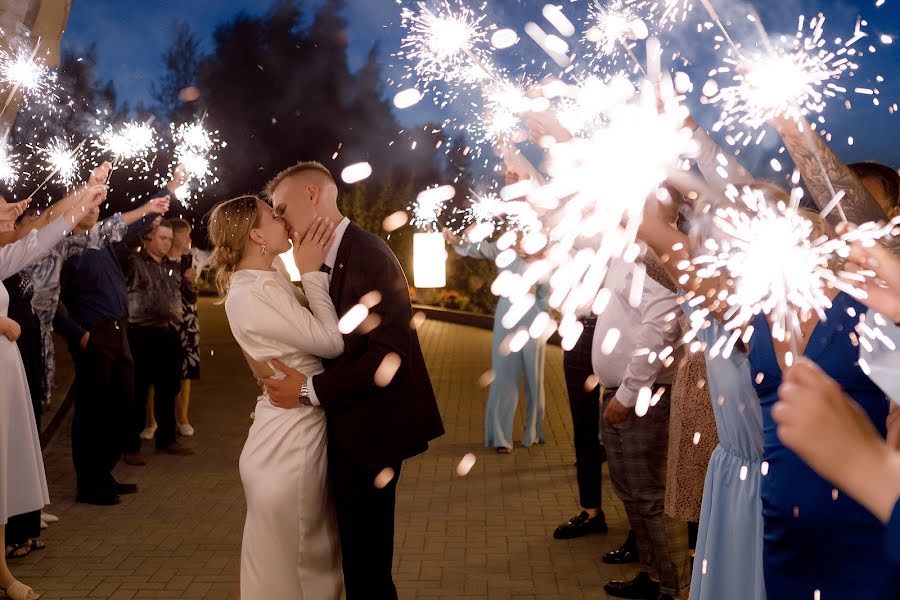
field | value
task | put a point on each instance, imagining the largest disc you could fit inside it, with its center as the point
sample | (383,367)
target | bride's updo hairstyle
(229,231)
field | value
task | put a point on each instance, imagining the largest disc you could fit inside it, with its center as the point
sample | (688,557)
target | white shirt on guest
(330,259)
(645,331)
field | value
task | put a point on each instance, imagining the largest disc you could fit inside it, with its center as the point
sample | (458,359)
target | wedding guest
(813,540)
(88,234)
(637,442)
(155,286)
(511,368)
(731,508)
(181,253)
(20,452)
(92,316)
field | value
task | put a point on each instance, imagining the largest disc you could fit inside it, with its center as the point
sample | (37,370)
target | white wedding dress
(290,548)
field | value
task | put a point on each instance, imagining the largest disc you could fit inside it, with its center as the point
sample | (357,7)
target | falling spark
(465,465)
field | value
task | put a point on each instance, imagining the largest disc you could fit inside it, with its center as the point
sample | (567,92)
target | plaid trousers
(636,453)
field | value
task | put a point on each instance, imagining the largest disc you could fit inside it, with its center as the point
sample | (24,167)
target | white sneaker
(48,518)
(185,429)
(44,524)
(148,433)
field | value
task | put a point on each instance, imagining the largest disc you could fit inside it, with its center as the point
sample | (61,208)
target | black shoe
(628,553)
(640,588)
(98,499)
(581,524)
(123,489)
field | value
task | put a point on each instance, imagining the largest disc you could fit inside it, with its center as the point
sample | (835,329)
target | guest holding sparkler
(511,367)
(829,431)
(20,452)
(92,316)
(813,539)
(45,273)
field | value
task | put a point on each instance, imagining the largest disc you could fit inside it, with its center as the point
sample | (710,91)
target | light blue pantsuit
(512,367)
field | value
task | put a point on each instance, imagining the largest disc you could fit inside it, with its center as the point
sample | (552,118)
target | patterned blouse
(45,273)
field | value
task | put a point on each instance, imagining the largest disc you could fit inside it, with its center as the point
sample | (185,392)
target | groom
(377,396)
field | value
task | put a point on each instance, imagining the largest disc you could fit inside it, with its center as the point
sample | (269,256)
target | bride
(290,546)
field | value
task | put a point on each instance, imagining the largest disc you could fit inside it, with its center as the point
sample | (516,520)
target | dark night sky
(131,36)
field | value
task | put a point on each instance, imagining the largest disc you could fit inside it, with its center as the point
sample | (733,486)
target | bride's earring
(265,250)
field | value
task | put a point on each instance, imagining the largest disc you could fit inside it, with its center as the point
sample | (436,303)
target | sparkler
(667,12)
(22,70)
(612,25)
(777,268)
(61,161)
(129,142)
(195,148)
(444,43)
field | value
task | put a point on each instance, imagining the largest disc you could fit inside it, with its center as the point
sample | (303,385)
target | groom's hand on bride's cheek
(284,393)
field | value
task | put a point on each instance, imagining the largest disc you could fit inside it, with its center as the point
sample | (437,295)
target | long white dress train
(290,549)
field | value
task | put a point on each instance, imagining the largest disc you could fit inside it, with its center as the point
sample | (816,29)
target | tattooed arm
(804,145)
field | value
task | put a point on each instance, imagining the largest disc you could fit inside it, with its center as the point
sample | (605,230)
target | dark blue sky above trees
(131,37)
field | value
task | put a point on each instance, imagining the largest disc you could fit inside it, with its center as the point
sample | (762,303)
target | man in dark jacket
(377,396)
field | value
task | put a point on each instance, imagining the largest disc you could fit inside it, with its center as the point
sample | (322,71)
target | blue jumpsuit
(510,369)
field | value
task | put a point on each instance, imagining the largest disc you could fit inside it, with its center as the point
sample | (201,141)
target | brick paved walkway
(486,535)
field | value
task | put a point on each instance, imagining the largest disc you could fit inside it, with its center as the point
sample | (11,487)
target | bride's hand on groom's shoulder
(311,250)
(284,393)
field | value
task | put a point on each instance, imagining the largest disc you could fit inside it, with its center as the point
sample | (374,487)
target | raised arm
(276,323)
(819,165)
(718,169)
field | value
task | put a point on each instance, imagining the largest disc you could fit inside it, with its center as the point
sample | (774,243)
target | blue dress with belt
(815,537)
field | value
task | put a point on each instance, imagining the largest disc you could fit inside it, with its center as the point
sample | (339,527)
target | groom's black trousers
(366,524)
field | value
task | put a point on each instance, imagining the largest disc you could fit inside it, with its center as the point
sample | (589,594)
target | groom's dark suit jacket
(376,426)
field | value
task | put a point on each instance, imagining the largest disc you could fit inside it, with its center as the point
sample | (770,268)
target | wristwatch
(304,395)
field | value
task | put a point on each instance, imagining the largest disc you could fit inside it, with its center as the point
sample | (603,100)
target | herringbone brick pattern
(484,535)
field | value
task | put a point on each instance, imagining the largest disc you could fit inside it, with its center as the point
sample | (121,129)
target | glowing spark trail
(130,142)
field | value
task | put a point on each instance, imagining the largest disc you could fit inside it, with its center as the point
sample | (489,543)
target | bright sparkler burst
(666,13)
(23,70)
(778,265)
(504,105)
(9,166)
(443,43)
(62,160)
(195,148)
(612,24)
(787,82)
(132,141)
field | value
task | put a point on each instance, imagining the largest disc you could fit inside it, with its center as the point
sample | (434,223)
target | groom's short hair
(300,167)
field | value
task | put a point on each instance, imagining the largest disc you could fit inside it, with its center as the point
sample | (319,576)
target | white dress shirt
(644,332)
(330,259)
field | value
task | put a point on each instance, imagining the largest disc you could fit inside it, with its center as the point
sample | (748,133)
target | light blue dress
(728,559)
(511,369)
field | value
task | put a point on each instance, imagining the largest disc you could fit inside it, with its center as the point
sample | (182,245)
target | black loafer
(581,524)
(124,489)
(98,499)
(627,553)
(639,588)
